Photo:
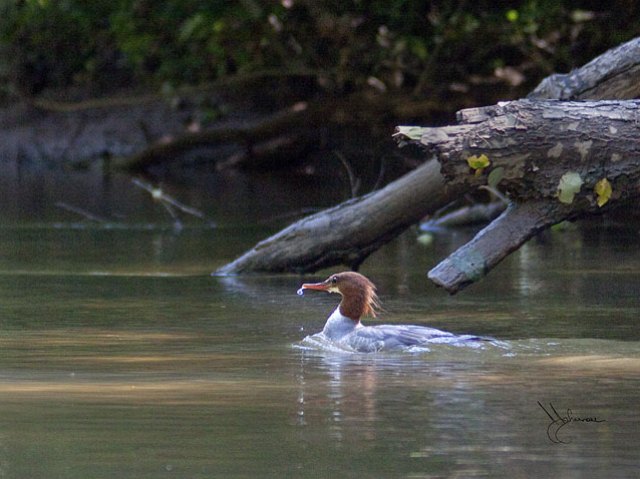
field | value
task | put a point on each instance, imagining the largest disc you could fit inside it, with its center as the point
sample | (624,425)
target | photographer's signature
(558,422)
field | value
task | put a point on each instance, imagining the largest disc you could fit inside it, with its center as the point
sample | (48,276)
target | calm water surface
(122,357)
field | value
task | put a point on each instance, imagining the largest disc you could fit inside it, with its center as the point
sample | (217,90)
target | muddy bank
(76,134)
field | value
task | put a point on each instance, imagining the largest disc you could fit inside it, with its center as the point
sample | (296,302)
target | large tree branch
(612,75)
(349,232)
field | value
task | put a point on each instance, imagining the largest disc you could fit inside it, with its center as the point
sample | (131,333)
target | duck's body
(343,327)
(345,331)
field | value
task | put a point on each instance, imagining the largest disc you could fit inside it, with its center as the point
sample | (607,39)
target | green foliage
(59,39)
(425,239)
(188,40)
(569,186)
(346,45)
(495,177)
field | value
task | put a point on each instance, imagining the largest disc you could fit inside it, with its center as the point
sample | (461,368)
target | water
(122,357)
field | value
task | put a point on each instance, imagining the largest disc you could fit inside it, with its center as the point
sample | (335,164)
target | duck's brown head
(358,293)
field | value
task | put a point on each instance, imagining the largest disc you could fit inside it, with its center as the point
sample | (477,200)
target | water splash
(441,348)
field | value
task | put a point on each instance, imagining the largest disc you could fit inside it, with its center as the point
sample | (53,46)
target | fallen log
(555,161)
(317,242)
(118,130)
(517,224)
(351,231)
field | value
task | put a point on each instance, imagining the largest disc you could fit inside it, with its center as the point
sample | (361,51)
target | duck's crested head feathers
(358,293)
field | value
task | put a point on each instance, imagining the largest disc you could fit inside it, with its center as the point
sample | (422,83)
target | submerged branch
(81,212)
(170,204)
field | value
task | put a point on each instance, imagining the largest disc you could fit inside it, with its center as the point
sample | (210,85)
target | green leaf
(478,163)
(425,239)
(569,186)
(495,176)
(603,191)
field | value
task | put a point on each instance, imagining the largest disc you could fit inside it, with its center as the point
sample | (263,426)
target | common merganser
(359,299)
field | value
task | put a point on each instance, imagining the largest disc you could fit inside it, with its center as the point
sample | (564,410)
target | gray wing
(386,336)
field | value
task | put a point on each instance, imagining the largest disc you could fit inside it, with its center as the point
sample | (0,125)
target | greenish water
(122,357)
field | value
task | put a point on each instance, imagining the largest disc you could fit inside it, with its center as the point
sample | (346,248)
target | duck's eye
(334,280)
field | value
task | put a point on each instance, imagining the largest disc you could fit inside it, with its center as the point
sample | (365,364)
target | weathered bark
(316,242)
(534,141)
(612,75)
(532,146)
(349,232)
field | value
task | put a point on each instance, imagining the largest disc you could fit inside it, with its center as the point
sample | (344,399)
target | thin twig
(177,224)
(79,211)
(381,173)
(142,184)
(182,207)
(354,183)
(288,216)
(167,201)
(496,193)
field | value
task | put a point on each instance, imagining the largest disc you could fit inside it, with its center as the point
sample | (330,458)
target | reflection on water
(122,357)
(474,413)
